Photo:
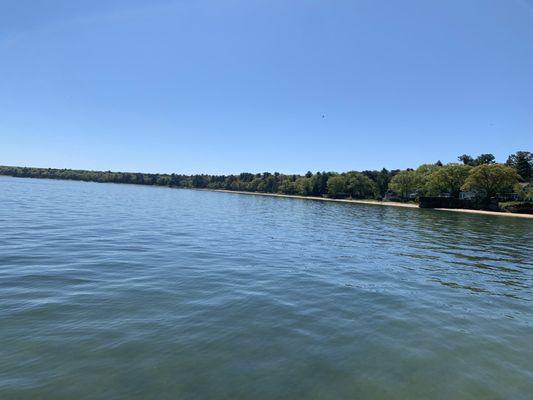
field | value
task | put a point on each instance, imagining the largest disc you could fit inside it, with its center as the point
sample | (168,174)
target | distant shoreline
(291,196)
(373,202)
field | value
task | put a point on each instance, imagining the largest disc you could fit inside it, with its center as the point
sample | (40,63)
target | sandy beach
(374,202)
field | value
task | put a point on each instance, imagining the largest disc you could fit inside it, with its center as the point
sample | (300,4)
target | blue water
(131,292)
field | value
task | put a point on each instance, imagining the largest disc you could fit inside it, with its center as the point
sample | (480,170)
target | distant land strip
(385,188)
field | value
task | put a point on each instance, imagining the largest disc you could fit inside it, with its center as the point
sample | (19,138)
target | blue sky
(241,85)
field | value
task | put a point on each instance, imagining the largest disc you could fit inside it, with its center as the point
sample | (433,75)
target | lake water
(130,292)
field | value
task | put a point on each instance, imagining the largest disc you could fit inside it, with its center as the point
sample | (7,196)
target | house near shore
(507,196)
(474,194)
(471,194)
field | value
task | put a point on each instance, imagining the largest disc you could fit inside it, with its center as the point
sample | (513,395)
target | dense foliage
(491,179)
(481,174)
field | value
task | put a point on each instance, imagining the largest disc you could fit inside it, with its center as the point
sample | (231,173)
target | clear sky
(243,85)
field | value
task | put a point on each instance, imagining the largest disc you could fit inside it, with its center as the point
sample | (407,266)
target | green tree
(522,162)
(404,183)
(320,183)
(485,159)
(382,181)
(199,181)
(491,179)
(303,186)
(524,193)
(337,186)
(360,186)
(287,186)
(466,159)
(448,179)
(255,185)
(423,173)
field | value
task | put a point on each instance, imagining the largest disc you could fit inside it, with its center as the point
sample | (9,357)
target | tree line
(481,174)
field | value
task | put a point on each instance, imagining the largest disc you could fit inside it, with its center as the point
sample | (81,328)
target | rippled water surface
(130,292)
